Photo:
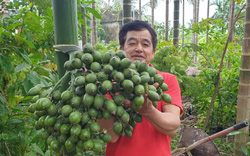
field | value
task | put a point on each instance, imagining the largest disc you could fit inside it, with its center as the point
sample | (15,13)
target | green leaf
(29,43)
(30,154)
(24,55)
(94,12)
(244,150)
(5,64)
(6,137)
(47,153)
(4,114)
(11,95)
(34,77)
(1,30)
(20,67)
(2,100)
(13,26)
(37,149)
(235,133)
(172,69)
(49,11)
(27,84)
(82,22)
(14,121)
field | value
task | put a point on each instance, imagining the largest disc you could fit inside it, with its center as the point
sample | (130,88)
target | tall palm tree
(83,28)
(208,6)
(230,23)
(152,12)
(231,17)
(140,10)
(176,22)
(127,16)
(243,103)
(195,20)
(183,20)
(94,27)
(166,21)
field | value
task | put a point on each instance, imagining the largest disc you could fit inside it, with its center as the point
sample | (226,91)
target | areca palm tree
(127,16)
(166,20)
(176,22)
(94,27)
(243,103)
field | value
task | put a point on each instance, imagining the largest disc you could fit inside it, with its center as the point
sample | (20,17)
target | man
(152,136)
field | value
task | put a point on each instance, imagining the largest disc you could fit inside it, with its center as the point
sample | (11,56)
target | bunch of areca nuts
(99,85)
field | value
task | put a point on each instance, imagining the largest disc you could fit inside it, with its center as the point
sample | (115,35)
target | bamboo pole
(65,29)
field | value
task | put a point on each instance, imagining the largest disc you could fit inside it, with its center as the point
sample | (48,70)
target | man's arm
(167,121)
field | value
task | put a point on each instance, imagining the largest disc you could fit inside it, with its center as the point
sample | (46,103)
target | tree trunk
(84,29)
(176,22)
(152,13)
(194,19)
(94,28)
(183,21)
(127,17)
(243,106)
(65,30)
(140,10)
(208,3)
(166,22)
(230,23)
(194,38)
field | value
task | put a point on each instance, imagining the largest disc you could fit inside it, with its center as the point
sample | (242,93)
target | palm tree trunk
(230,23)
(176,22)
(243,106)
(83,29)
(65,30)
(127,17)
(94,28)
(140,10)
(194,35)
(153,13)
(208,3)
(194,19)
(183,21)
(166,22)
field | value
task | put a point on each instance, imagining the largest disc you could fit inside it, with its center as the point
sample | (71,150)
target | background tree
(183,21)
(166,20)
(208,6)
(243,103)
(93,26)
(127,17)
(230,22)
(195,21)
(176,22)
(140,10)
(152,2)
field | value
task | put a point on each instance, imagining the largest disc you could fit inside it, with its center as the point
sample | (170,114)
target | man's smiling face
(139,46)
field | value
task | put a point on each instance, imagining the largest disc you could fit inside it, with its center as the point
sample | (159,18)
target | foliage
(165,61)
(26,59)
(16,130)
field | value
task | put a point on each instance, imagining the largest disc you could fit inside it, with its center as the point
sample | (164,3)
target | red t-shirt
(146,140)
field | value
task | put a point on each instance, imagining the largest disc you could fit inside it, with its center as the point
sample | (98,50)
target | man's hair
(137,26)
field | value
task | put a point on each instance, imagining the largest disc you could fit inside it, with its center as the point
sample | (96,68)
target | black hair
(136,26)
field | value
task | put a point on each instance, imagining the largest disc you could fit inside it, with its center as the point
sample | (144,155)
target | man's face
(139,46)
